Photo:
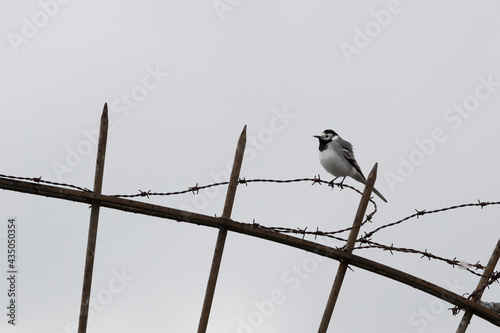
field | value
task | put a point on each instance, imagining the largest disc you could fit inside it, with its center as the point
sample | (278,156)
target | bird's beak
(317,136)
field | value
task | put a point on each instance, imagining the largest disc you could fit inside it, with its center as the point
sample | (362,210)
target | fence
(472,304)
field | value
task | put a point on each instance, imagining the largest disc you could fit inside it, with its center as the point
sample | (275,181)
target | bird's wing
(349,155)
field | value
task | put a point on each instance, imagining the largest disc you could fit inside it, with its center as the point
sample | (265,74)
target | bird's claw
(341,184)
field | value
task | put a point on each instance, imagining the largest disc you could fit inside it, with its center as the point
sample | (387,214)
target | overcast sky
(413,85)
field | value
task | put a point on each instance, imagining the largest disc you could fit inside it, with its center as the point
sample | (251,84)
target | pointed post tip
(105,110)
(373,172)
(243,136)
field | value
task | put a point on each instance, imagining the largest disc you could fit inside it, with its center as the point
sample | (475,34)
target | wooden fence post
(94,219)
(339,278)
(221,238)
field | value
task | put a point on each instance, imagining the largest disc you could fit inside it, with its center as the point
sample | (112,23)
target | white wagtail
(337,157)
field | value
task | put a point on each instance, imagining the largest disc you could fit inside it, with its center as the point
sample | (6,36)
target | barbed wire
(195,189)
(366,239)
(424,212)
(40,180)
(373,245)
(424,254)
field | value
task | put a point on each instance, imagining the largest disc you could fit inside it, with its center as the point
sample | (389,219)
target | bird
(337,157)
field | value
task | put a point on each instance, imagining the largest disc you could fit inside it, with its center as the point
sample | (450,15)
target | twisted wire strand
(424,212)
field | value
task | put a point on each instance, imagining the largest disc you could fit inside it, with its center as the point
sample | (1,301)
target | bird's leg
(341,184)
(334,179)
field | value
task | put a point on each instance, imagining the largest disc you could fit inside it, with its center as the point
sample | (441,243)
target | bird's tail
(379,194)
(362,179)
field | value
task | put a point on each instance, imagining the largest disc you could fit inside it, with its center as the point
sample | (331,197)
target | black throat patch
(323,144)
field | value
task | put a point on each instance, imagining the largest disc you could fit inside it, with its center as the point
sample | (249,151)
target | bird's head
(327,136)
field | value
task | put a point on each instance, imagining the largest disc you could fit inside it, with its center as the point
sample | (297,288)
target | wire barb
(316,180)
(145,193)
(195,189)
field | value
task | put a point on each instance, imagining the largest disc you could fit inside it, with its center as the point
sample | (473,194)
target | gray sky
(414,85)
